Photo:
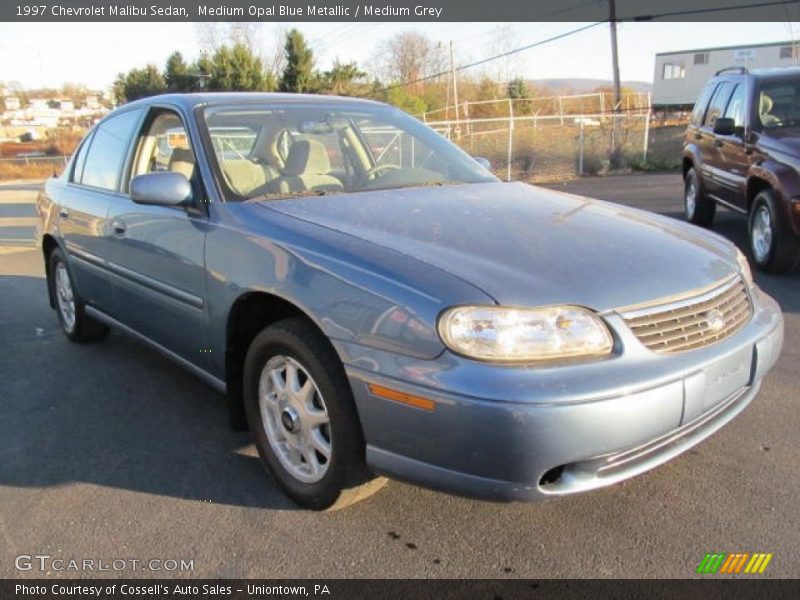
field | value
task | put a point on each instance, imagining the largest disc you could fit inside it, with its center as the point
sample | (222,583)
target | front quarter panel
(354,291)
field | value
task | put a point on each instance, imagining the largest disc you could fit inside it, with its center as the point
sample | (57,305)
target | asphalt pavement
(108,451)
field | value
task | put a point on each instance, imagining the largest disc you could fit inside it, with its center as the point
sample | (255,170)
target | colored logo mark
(736,562)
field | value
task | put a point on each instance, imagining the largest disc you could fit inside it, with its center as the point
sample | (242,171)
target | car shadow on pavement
(113,414)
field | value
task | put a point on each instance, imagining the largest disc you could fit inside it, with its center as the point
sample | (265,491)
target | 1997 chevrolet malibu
(376,303)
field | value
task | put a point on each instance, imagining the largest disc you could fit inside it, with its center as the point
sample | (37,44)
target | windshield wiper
(288,195)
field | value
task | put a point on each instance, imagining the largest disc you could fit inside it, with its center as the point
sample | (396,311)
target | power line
(585,28)
(491,58)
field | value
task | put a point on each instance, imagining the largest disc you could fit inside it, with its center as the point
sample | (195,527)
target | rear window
(108,149)
(718,103)
(702,102)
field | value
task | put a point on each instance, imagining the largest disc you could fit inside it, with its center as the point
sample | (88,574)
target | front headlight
(744,268)
(524,334)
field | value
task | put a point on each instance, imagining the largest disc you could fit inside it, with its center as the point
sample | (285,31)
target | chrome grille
(693,323)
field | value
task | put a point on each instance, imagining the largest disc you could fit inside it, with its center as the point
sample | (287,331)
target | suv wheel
(75,323)
(775,250)
(301,412)
(698,208)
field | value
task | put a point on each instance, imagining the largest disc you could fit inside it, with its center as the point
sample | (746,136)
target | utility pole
(455,88)
(616,152)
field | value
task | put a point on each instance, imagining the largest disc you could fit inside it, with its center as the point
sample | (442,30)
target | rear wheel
(774,248)
(70,308)
(301,412)
(698,208)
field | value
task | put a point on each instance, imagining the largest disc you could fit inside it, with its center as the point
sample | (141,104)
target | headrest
(765,104)
(307,157)
(182,161)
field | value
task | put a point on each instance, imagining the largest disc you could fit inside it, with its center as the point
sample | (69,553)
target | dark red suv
(742,150)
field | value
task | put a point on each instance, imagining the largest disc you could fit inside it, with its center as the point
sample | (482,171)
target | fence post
(561,109)
(510,138)
(580,152)
(646,136)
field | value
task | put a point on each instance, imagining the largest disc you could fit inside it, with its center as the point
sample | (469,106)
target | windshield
(779,104)
(303,149)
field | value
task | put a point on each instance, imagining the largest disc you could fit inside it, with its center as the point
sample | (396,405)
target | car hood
(526,246)
(786,141)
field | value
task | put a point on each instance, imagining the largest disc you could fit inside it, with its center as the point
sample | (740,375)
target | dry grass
(31,171)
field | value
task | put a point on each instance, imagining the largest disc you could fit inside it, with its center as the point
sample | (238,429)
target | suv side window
(702,102)
(718,103)
(735,108)
(108,150)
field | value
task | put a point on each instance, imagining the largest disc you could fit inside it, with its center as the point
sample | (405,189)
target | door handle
(698,136)
(63,213)
(718,142)
(118,227)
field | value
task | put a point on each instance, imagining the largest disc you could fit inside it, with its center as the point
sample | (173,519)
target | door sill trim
(215,382)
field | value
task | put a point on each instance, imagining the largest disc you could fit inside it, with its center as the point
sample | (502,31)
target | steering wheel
(371,173)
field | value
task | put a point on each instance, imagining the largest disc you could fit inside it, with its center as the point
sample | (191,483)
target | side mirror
(161,189)
(724,126)
(484,162)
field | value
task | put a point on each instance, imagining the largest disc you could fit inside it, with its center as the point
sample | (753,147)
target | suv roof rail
(742,70)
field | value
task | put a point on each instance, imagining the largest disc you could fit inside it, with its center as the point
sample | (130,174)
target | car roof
(760,74)
(190,101)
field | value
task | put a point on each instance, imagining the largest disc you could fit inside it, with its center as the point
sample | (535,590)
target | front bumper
(516,433)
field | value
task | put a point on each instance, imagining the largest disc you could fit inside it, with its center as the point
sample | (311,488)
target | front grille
(688,325)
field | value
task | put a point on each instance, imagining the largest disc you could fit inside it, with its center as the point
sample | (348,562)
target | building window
(701,58)
(790,51)
(673,71)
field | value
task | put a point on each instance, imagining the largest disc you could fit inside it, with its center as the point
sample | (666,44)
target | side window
(80,159)
(718,103)
(164,146)
(701,104)
(107,152)
(735,108)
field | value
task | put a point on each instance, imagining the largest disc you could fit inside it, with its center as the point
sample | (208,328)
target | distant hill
(585,85)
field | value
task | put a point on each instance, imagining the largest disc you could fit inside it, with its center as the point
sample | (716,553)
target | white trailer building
(679,76)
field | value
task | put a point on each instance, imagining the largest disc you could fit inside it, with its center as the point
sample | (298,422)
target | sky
(50,54)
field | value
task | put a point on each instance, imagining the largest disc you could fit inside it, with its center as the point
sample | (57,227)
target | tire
(294,425)
(70,308)
(775,249)
(697,207)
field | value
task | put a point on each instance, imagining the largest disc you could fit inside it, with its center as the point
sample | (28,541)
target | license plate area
(716,382)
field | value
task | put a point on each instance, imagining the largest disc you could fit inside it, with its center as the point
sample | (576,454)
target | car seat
(307,168)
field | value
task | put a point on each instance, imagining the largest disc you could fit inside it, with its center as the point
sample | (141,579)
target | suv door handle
(698,136)
(63,213)
(718,142)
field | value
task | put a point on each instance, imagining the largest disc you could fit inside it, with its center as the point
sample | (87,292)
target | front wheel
(774,248)
(697,207)
(301,412)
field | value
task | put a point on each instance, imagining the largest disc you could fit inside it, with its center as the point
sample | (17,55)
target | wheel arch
(756,185)
(249,314)
(49,243)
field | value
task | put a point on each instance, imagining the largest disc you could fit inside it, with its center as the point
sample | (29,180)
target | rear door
(711,163)
(158,251)
(85,201)
(734,160)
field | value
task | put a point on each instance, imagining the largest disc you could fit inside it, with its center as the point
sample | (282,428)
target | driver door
(158,251)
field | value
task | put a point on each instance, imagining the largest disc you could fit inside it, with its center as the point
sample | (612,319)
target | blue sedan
(374,302)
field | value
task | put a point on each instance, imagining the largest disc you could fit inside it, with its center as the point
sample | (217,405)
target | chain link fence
(553,147)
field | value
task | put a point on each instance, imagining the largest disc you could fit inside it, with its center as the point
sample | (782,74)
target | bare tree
(506,68)
(408,57)
(268,46)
